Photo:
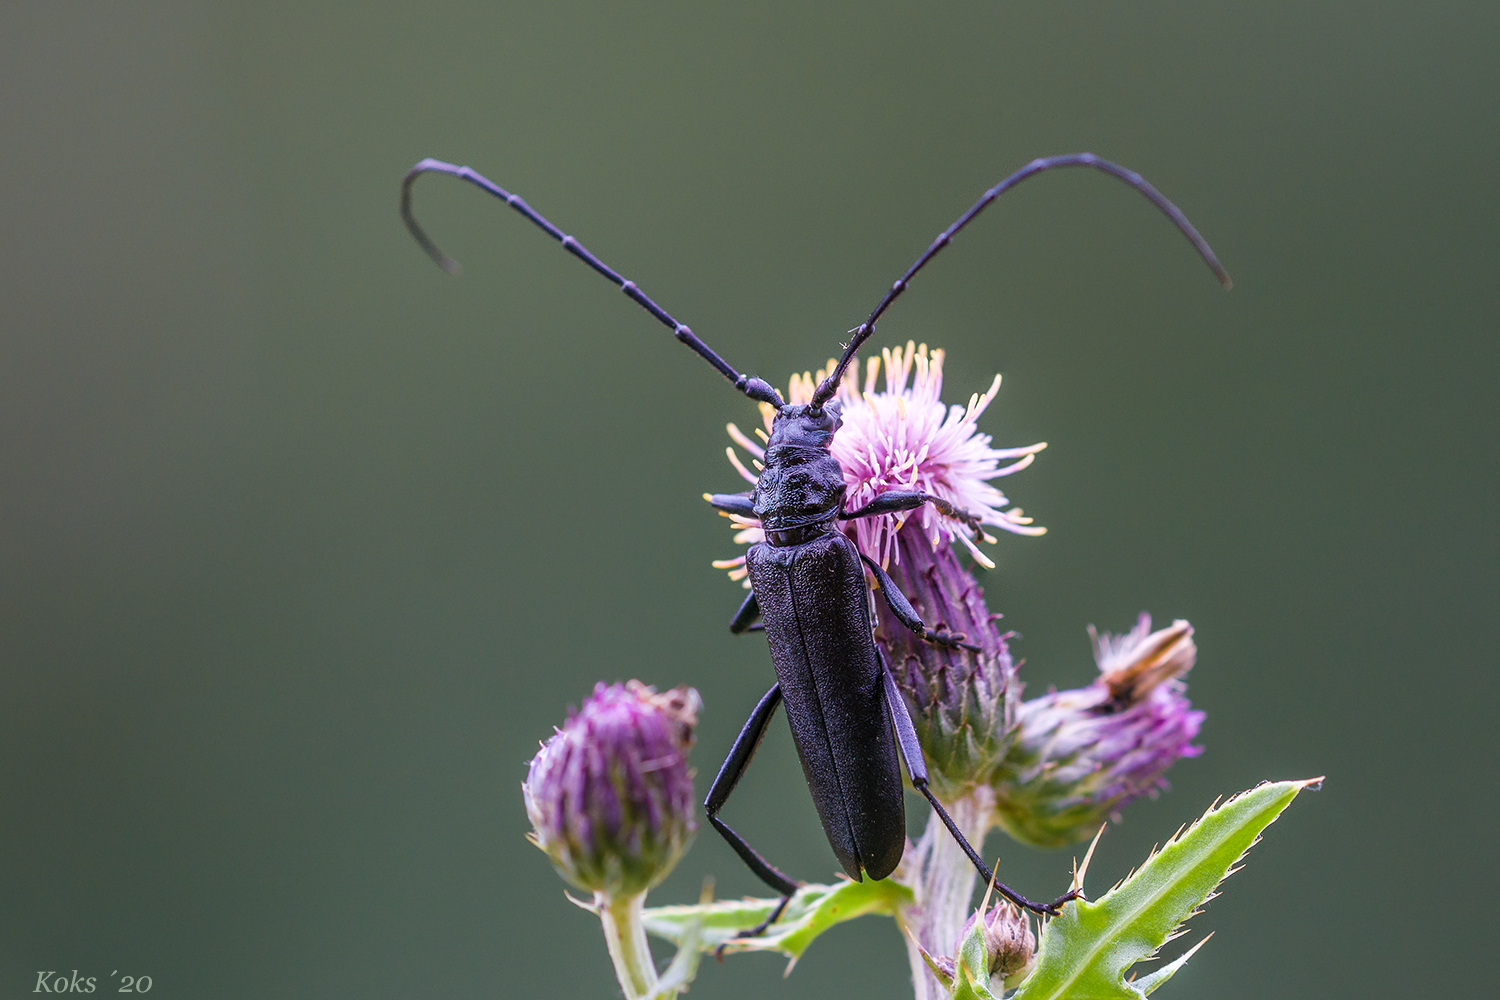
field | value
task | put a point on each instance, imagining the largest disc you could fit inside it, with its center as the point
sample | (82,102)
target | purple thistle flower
(907,438)
(1081,755)
(904,438)
(610,795)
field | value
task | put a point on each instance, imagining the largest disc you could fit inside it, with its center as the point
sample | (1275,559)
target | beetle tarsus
(953,640)
(1055,907)
(758,929)
(956,513)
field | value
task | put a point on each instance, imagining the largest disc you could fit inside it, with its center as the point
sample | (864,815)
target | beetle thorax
(801,490)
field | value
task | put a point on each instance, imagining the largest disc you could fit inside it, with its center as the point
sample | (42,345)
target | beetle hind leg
(916,769)
(758,929)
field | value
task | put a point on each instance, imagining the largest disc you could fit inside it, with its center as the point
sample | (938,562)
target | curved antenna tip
(439,258)
(1199,243)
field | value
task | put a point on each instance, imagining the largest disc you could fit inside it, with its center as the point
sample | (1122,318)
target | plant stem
(625,935)
(942,884)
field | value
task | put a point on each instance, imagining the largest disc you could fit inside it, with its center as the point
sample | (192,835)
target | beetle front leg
(732,503)
(907,614)
(896,501)
(741,504)
(729,775)
(916,769)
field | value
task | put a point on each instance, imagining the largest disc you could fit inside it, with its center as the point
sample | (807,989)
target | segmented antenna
(753,387)
(862,333)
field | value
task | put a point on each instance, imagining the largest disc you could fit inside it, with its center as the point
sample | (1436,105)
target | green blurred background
(305,544)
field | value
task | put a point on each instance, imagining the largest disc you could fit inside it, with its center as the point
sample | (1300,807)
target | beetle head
(802,483)
(801,426)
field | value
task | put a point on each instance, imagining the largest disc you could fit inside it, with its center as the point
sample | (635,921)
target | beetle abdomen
(814,600)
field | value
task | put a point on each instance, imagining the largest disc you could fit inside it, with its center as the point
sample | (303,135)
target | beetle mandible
(808,580)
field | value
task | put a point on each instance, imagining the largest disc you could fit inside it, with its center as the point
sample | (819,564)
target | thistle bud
(1081,755)
(610,795)
(1008,941)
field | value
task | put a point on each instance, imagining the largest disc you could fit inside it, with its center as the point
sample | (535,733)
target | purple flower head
(610,795)
(906,438)
(1081,755)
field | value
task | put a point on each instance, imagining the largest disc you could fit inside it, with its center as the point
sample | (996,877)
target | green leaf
(1147,983)
(1084,954)
(813,910)
(680,973)
(684,966)
(939,972)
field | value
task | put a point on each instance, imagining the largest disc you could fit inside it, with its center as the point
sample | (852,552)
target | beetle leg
(744,618)
(758,929)
(916,769)
(907,614)
(732,503)
(895,501)
(729,775)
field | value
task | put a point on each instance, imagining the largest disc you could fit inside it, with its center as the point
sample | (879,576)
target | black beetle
(808,582)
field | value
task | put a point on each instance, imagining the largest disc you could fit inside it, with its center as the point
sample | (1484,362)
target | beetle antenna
(862,332)
(755,388)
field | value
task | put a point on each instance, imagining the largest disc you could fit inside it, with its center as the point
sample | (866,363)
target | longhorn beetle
(808,585)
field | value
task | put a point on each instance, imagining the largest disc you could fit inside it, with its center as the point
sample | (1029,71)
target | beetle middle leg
(907,614)
(729,775)
(916,769)
(745,618)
